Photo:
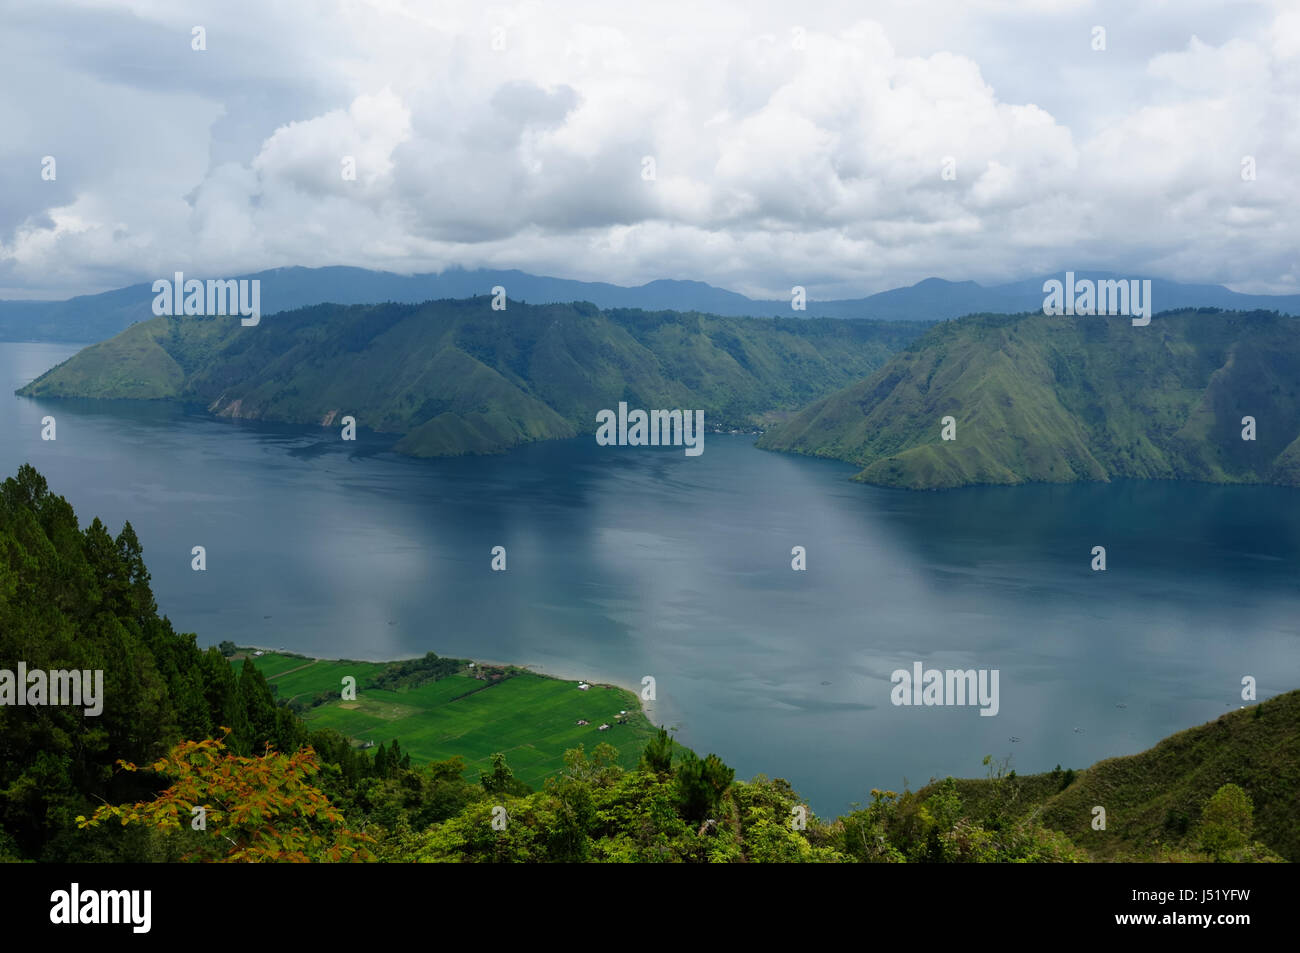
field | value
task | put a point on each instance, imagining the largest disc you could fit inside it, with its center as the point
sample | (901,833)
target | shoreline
(532,668)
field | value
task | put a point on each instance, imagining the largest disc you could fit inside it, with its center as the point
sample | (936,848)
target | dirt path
(288,670)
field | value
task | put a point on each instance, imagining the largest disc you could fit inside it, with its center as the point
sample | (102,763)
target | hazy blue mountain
(98,317)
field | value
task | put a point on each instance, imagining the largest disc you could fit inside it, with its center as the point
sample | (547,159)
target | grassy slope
(531,718)
(1059,399)
(456,377)
(132,365)
(1154,799)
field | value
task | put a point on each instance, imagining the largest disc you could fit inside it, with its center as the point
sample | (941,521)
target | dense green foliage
(222,807)
(595,811)
(457,377)
(1156,801)
(1059,399)
(80,598)
(1226,823)
(412,673)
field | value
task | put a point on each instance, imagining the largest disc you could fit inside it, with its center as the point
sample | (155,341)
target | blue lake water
(626,562)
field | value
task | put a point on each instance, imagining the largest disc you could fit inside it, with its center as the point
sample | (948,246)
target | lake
(624,562)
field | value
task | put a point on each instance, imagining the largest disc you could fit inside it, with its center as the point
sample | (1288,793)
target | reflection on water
(626,561)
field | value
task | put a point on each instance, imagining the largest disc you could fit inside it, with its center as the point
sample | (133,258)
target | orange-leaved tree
(253,809)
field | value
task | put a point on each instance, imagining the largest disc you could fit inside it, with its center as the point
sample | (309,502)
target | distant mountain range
(1034,398)
(1031,397)
(98,317)
(456,377)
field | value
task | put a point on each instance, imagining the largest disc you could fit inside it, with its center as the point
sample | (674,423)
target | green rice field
(532,718)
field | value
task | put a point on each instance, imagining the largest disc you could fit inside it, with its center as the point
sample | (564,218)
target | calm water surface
(625,562)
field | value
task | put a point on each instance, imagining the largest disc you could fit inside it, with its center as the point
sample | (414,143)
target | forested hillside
(457,377)
(1059,399)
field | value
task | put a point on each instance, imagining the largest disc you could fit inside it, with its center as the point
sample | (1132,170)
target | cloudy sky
(792,143)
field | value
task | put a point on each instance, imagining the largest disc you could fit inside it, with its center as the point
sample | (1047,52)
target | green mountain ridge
(1155,799)
(1037,398)
(456,377)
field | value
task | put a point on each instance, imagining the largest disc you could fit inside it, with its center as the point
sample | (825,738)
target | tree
(131,555)
(599,768)
(398,761)
(1226,821)
(658,754)
(501,779)
(701,784)
(253,809)
(259,709)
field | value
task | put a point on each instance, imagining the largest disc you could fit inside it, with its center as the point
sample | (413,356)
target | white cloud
(775,164)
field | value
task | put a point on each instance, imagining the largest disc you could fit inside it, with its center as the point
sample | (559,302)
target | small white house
(603,728)
(583,686)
